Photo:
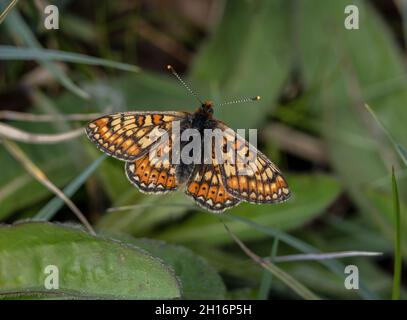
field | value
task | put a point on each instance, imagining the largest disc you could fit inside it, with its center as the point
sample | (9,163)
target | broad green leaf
(89,266)
(199,280)
(311,196)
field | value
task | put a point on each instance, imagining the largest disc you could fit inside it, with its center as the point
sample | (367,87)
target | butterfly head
(207,107)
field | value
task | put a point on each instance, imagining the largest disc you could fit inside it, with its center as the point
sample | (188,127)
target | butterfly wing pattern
(251,176)
(127,136)
(133,137)
(153,172)
(207,189)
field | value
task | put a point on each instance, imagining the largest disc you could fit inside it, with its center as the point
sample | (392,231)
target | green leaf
(18,53)
(311,196)
(199,280)
(88,266)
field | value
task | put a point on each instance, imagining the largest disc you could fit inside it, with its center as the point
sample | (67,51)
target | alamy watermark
(352,19)
(51,281)
(210,146)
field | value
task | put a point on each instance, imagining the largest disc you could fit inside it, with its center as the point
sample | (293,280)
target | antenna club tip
(169,67)
(256,98)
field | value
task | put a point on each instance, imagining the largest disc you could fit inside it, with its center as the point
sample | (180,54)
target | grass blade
(402,152)
(33,117)
(52,207)
(266,280)
(333,265)
(397,243)
(20,30)
(35,138)
(292,283)
(7,9)
(40,176)
(17,53)
(400,149)
(327,255)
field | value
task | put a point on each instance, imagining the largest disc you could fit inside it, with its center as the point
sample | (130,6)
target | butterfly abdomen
(183,172)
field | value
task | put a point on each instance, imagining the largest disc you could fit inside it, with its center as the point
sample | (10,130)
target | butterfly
(134,137)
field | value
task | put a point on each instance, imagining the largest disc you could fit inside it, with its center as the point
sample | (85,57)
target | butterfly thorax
(202,117)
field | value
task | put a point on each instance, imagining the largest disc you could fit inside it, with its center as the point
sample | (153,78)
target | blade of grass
(397,242)
(327,255)
(266,280)
(333,265)
(17,53)
(20,30)
(40,176)
(292,283)
(7,9)
(31,117)
(148,205)
(23,136)
(52,207)
(400,150)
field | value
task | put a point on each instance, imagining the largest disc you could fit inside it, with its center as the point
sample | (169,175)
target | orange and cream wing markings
(129,135)
(206,188)
(153,174)
(250,175)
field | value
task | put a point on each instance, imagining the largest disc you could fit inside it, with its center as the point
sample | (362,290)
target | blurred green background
(314,77)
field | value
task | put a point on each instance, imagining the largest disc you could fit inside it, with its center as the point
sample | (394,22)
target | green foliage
(88,266)
(199,280)
(265,48)
(311,196)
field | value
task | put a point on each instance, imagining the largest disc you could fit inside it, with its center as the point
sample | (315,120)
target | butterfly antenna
(169,67)
(243,100)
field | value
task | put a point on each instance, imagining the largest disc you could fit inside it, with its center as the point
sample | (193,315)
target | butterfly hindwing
(129,135)
(251,176)
(151,178)
(205,186)
(154,172)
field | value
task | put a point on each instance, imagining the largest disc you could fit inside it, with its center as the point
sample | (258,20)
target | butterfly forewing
(250,175)
(129,135)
